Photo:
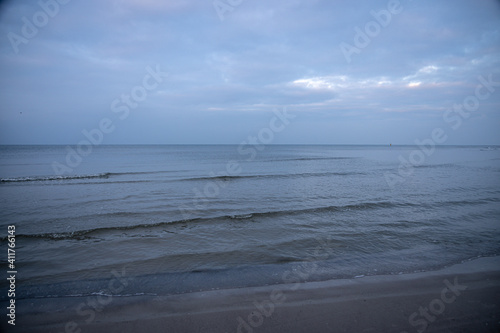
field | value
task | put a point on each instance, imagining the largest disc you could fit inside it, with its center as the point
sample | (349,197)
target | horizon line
(237,144)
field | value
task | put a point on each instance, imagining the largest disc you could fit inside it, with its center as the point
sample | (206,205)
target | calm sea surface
(181,218)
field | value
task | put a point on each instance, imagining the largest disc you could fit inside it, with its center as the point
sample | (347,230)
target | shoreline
(461,297)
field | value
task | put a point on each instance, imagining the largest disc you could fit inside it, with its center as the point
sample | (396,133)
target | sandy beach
(461,298)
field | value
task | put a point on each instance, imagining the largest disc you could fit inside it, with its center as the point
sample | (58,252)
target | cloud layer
(62,70)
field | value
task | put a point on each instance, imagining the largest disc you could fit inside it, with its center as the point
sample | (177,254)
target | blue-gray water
(180,218)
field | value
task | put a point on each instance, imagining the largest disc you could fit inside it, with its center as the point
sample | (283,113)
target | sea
(171,219)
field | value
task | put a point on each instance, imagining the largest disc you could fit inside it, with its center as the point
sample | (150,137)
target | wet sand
(461,298)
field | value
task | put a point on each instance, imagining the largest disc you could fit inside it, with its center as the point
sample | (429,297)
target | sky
(216,72)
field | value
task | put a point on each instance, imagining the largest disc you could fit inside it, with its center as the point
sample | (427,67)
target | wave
(51,178)
(104,175)
(293,175)
(108,175)
(85,234)
(144,172)
(395,169)
(434,166)
(254,216)
(314,159)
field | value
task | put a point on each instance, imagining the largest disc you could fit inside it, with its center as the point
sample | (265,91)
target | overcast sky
(348,78)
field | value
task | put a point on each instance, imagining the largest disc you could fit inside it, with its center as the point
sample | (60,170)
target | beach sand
(461,298)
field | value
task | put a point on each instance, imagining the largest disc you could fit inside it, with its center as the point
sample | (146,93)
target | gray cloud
(261,56)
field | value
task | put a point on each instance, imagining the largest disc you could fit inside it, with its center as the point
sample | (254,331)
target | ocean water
(181,218)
